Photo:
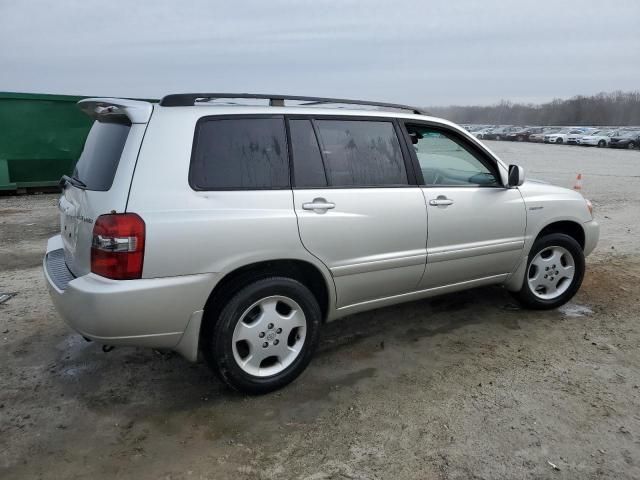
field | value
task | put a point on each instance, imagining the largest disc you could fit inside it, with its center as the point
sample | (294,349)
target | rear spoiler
(136,111)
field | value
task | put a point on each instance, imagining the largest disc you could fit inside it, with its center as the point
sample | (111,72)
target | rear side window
(239,154)
(361,153)
(101,154)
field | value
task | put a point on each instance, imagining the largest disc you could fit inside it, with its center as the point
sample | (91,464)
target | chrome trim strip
(443,254)
(376,265)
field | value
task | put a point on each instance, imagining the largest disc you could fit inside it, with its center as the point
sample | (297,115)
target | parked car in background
(482,132)
(574,138)
(561,136)
(523,134)
(539,137)
(499,133)
(629,139)
(599,138)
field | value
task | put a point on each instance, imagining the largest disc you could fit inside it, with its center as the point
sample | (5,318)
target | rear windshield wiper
(76,182)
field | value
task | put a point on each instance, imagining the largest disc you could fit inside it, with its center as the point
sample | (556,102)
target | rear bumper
(154,312)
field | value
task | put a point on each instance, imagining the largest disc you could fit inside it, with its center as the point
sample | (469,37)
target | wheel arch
(572,228)
(305,272)
(568,227)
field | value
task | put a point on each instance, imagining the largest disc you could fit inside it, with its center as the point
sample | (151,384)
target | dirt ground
(465,386)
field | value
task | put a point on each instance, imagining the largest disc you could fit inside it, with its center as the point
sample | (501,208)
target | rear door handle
(440,201)
(319,205)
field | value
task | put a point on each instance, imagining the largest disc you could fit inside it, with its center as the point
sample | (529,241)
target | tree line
(616,108)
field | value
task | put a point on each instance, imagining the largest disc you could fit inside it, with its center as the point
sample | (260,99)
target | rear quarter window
(239,154)
(101,154)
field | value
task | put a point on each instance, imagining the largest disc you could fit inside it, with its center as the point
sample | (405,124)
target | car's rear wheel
(264,336)
(555,269)
(559,140)
(631,145)
(602,144)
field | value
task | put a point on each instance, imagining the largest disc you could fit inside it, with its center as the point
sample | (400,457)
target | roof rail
(190,99)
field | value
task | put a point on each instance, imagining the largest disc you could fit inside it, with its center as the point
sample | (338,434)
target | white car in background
(481,133)
(574,138)
(599,138)
(561,135)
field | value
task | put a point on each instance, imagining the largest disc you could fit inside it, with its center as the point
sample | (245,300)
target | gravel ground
(457,387)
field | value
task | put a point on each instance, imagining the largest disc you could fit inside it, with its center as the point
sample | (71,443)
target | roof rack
(190,99)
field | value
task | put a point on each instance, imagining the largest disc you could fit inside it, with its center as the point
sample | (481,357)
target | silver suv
(236,231)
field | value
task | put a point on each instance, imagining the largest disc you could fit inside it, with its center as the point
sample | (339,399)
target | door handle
(440,201)
(319,205)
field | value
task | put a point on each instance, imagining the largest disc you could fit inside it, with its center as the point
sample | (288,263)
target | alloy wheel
(269,336)
(551,272)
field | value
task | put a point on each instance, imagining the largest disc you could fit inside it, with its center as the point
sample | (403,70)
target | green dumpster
(41,136)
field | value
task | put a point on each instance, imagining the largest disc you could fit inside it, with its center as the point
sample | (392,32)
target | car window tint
(308,170)
(240,153)
(101,154)
(444,160)
(361,153)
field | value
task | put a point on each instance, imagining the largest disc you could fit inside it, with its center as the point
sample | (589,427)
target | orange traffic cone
(578,184)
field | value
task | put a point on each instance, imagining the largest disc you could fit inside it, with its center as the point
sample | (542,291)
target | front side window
(445,161)
(239,154)
(361,153)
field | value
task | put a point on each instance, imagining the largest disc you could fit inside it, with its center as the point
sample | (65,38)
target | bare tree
(615,108)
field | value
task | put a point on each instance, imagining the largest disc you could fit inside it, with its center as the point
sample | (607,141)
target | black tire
(217,338)
(559,141)
(498,137)
(527,298)
(602,144)
(631,145)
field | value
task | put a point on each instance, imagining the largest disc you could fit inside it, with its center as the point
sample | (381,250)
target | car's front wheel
(631,145)
(602,144)
(555,269)
(559,140)
(264,336)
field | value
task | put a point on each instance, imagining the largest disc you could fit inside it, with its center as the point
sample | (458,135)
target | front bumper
(153,312)
(591,236)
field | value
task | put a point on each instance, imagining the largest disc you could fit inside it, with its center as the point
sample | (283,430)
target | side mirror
(516,176)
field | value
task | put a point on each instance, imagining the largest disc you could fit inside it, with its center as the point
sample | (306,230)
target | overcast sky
(421,52)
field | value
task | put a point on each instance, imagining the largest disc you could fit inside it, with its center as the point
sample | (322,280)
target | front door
(358,209)
(476,225)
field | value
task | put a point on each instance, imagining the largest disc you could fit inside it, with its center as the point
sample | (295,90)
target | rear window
(239,154)
(101,154)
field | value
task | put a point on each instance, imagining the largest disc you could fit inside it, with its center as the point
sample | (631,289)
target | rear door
(358,207)
(476,225)
(102,175)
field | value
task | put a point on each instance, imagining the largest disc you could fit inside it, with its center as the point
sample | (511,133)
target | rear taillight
(117,248)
